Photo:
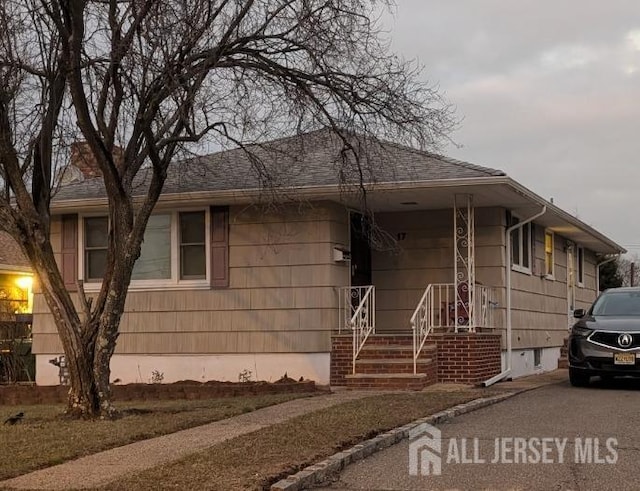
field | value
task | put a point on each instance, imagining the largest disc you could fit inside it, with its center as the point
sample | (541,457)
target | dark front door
(360,251)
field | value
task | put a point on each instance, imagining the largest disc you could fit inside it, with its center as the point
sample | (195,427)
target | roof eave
(615,248)
(331,192)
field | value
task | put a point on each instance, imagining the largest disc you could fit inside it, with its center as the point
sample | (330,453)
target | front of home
(456,273)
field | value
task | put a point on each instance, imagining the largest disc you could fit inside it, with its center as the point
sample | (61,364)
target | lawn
(257,460)
(44,438)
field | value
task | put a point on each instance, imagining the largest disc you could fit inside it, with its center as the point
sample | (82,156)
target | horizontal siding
(282,295)
(283,285)
(540,309)
(206,342)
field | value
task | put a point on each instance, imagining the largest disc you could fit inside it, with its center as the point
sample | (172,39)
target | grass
(258,459)
(44,438)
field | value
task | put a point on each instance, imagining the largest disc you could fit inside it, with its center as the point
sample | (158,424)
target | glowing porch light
(25,282)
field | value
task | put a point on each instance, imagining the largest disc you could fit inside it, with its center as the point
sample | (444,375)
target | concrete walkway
(104,467)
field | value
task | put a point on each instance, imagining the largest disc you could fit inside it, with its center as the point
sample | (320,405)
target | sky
(547,91)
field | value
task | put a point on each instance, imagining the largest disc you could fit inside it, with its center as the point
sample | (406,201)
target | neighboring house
(452,274)
(16,302)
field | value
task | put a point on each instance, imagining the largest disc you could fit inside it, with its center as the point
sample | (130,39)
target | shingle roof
(311,159)
(10,252)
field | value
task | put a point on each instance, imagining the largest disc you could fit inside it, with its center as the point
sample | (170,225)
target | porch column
(464,261)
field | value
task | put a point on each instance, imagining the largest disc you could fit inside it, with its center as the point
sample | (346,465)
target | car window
(619,303)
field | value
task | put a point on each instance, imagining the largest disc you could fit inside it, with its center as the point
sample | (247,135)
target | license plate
(624,358)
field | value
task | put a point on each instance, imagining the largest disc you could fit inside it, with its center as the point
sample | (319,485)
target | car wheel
(578,378)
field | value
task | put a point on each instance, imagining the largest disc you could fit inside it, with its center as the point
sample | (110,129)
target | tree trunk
(87,354)
(83,401)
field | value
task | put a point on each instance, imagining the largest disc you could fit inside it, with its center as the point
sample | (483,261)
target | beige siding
(426,256)
(540,309)
(282,295)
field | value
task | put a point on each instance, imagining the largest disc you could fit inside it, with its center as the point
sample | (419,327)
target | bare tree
(628,270)
(150,80)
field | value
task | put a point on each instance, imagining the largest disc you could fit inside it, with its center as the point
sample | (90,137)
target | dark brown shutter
(219,246)
(70,251)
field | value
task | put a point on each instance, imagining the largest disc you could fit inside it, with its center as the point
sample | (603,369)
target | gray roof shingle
(10,252)
(311,159)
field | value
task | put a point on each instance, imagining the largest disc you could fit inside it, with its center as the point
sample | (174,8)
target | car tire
(578,378)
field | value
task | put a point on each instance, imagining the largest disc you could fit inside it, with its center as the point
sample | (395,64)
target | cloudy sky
(549,92)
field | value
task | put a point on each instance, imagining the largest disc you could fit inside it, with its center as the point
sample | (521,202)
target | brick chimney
(82,158)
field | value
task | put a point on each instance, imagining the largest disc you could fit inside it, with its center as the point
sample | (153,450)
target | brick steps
(468,358)
(393,350)
(385,365)
(404,381)
(386,362)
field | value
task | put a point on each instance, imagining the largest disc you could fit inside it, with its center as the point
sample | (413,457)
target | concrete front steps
(386,362)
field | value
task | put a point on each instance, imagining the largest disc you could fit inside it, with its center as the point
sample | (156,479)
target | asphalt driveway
(556,437)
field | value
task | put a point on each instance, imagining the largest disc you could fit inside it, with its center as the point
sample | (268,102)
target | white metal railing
(422,324)
(358,312)
(484,298)
(438,308)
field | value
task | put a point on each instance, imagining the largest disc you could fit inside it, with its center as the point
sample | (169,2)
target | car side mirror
(579,313)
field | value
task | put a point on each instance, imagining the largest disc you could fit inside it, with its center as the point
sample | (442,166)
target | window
(580,265)
(174,249)
(521,246)
(193,247)
(548,253)
(154,262)
(537,358)
(95,247)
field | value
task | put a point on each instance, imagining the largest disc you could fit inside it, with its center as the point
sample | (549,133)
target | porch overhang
(500,191)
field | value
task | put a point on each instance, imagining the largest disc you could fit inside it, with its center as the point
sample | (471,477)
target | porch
(447,340)
(398,330)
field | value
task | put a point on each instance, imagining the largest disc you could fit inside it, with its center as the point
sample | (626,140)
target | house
(460,273)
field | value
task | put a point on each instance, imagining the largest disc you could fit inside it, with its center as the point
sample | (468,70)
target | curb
(318,473)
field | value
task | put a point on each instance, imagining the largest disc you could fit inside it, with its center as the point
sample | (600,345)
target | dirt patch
(14,395)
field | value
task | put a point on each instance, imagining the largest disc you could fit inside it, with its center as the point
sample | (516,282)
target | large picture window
(154,262)
(174,249)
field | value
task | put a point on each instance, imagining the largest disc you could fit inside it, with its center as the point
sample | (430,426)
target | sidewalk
(104,467)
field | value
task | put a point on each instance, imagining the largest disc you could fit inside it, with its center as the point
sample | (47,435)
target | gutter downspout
(505,373)
(608,260)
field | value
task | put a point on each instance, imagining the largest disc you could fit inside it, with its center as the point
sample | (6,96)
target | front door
(360,250)
(571,283)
